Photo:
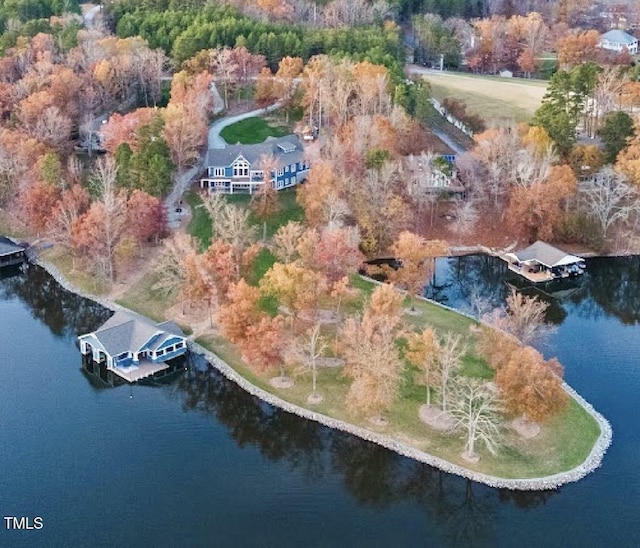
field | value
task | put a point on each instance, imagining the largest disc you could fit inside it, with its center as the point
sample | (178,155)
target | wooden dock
(531,275)
(142,370)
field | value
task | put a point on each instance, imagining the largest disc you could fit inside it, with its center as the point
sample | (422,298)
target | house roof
(7,246)
(617,36)
(226,156)
(546,254)
(127,332)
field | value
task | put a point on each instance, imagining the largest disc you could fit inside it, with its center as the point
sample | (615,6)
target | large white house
(619,40)
(237,168)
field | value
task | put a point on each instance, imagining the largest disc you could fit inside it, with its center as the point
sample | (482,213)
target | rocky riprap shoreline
(593,461)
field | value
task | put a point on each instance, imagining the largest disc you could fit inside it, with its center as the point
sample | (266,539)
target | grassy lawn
(200,225)
(493,98)
(143,298)
(85,281)
(564,442)
(252,131)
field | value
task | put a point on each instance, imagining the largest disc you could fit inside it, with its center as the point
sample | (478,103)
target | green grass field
(252,131)
(491,97)
(200,225)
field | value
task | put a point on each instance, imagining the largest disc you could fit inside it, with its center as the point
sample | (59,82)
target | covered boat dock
(11,253)
(542,262)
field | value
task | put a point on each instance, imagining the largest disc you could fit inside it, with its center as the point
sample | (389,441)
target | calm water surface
(195,461)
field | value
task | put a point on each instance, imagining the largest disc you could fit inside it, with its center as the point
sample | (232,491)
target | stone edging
(592,462)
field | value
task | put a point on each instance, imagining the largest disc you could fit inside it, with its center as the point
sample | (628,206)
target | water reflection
(610,286)
(460,512)
(65,314)
(374,476)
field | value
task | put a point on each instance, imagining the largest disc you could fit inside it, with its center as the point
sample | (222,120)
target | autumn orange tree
(100,231)
(417,257)
(422,351)
(294,286)
(333,251)
(241,310)
(495,345)
(263,343)
(531,386)
(536,211)
(372,358)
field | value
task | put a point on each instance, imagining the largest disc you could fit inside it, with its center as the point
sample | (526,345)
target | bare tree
(524,317)
(476,410)
(225,70)
(448,363)
(608,198)
(229,223)
(172,265)
(465,218)
(306,350)
(285,241)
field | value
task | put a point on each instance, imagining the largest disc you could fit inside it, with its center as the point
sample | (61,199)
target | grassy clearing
(492,98)
(252,131)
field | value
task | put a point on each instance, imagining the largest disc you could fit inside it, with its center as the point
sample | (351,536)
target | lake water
(195,461)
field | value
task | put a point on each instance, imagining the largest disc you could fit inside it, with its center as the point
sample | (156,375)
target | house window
(218,172)
(241,170)
(286,169)
(280,171)
(293,167)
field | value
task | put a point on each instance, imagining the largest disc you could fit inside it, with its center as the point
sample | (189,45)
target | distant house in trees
(133,346)
(237,168)
(619,41)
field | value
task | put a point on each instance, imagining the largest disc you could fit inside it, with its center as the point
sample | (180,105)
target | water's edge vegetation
(591,462)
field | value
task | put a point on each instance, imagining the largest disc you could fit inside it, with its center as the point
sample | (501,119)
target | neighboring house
(236,168)
(431,178)
(619,40)
(133,346)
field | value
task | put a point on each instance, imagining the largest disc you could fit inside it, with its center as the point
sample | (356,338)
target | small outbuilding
(133,346)
(541,262)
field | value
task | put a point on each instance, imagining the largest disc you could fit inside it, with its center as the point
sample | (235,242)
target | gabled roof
(223,157)
(546,254)
(8,247)
(127,332)
(617,36)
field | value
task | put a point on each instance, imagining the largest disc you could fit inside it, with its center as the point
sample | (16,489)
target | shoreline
(590,464)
